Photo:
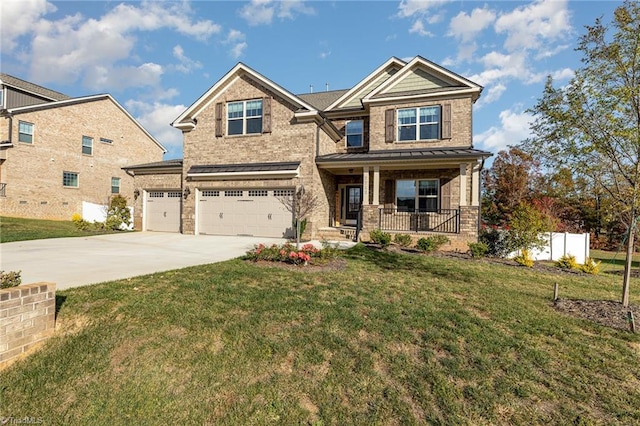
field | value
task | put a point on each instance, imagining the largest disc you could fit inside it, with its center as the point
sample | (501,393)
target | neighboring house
(58,152)
(394,152)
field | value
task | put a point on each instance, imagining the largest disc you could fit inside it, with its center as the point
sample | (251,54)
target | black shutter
(389,193)
(219,120)
(266,115)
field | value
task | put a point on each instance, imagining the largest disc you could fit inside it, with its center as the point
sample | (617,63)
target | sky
(158,57)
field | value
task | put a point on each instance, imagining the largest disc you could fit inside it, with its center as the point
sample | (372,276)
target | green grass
(613,261)
(392,339)
(19,229)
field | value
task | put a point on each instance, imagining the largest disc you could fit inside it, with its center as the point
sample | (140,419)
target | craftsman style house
(394,152)
(58,154)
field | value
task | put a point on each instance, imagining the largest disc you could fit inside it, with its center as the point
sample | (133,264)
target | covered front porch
(408,191)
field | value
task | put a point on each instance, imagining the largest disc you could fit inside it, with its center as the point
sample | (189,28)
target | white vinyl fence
(560,244)
(98,213)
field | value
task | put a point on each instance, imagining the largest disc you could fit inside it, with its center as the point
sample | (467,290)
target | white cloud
(492,94)
(563,74)
(418,27)
(499,66)
(532,26)
(75,48)
(514,128)
(262,12)
(237,41)
(410,8)
(18,18)
(186,64)
(157,117)
(466,27)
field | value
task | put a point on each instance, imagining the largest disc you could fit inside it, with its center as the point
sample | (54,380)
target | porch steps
(336,234)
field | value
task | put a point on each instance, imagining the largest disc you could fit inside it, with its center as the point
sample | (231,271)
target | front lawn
(19,229)
(390,339)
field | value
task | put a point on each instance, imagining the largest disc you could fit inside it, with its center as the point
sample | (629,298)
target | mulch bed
(604,312)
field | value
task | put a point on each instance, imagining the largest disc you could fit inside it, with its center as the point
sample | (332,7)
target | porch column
(365,185)
(463,184)
(475,185)
(376,185)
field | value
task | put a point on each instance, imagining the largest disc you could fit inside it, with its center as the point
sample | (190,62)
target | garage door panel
(162,211)
(243,212)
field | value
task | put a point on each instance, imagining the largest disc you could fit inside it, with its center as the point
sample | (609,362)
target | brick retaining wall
(27,318)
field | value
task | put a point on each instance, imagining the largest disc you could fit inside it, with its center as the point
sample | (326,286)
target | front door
(351,204)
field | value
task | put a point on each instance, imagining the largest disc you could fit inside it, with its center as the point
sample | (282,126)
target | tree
(592,125)
(510,181)
(300,204)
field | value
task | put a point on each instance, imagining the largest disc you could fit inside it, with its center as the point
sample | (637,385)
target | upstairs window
(25,132)
(354,132)
(115,185)
(87,145)
(421,123)
(244,118)
(417,195)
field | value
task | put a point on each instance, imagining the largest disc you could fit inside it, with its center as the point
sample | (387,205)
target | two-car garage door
(257,212)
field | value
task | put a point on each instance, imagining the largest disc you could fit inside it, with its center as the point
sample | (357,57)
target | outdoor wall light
(186,192)
(136,194)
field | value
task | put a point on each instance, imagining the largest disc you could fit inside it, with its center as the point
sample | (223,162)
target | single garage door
(163,211)
(256,212)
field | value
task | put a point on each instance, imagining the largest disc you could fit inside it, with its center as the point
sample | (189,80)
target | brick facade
(33,171)
(27,318)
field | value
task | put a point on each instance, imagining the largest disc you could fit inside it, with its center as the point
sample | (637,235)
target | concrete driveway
(73,262)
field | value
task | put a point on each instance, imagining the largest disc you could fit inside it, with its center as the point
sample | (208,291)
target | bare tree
(301,204)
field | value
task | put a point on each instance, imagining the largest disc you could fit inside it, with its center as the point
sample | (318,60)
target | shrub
(403,240)
(524,258)
(590,266)
(380,237)
(498,242)
(286,253)
(118,214)
(10,279)
(478,249)
(76,217)
(567,262)
(429,244)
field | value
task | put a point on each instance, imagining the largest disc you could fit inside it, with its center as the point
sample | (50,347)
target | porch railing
(445,220)
(3,189)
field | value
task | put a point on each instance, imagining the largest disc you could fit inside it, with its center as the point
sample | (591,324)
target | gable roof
(367,84)
(81,100)
(424,78)
(185,120)
(26,86)
(321,100)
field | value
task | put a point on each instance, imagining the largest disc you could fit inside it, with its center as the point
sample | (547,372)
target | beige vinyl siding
(417,80)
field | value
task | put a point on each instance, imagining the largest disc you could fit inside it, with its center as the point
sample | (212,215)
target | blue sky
(157,58)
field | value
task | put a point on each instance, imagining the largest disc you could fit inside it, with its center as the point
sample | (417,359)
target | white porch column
(475,185)
(376,185)
(365,185)
(463,184)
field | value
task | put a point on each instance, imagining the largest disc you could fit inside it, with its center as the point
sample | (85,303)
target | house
(58,153)
(394,152)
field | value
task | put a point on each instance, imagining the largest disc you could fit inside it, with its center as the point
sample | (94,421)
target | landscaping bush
(433,243)
(478,249)
(590,266)
(403,240)
(498,242)
(380,237)
(10,279)
(286,253)
(524,259)
(118,215)
(567,262)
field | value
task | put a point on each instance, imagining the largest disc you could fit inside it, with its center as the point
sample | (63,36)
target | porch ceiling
(404,159)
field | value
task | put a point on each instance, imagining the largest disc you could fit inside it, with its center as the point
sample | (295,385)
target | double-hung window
(354,132)
(422,123)
(25,132)
(115,185)
(70,179)
(417,195)
(244,117)
(87,145)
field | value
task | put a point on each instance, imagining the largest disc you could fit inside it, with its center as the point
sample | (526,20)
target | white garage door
(163,211)
(256,212)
